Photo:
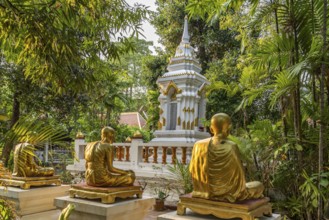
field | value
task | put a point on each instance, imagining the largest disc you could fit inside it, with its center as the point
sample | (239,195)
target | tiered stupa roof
(184,62)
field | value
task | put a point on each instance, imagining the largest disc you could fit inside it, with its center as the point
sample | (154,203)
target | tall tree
(322,105)
(62,44)
(153,67)
(57,41)
(285,64)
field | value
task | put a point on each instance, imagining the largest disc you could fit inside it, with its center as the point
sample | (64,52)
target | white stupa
(182,98)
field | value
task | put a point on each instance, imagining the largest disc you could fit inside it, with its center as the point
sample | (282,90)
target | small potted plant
(159,201)
(161,189)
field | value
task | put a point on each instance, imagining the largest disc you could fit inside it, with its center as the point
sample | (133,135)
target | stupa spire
(186,36)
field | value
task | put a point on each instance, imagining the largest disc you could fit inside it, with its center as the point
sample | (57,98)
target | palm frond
(180,172)
(35,132)
(263,14)
(4,118)
(284,84)
(274,52)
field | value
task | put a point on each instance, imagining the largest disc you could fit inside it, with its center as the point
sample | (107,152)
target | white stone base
(49,215)
(194,216)
(179,136)
(124,209)
(77,167)
(34,200)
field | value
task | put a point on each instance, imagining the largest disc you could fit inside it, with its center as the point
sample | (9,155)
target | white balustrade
(146,159)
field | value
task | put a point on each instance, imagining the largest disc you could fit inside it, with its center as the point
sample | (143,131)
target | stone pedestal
(27,182)
(246,210)
(34,201)
(106,194)
(49,215)
(194,216)
(123,209)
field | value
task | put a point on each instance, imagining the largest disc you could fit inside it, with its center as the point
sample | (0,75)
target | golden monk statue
(216,168)
(99,163)
(25,165)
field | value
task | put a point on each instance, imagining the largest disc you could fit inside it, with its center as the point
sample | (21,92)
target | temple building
(182,98)
(133,119)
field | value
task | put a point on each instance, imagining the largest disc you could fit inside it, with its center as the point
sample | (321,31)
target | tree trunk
(296,93)
(282,104)
(298,130)
(322,106)
(7,148)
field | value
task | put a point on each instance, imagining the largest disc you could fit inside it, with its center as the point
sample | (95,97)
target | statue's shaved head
(108,133)
(221,124)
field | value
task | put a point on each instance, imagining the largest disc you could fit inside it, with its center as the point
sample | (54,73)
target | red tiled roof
(132,119)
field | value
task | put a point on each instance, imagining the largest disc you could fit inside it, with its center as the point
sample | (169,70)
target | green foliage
(209,39)
(132,76)
(122,133)
(153,110)
(60,42)
(153,67)
(36,132)
(65,175)
(310,192)
(30,130)
(223,92)
(161,187)
(273,85)
(181,174)
(7,209)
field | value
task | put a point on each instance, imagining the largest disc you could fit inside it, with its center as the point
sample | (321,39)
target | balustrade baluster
(155,154)
(146,155)
(173,156)
(120,153)
(164,155)
(116,153)
(184,155)
(127,153)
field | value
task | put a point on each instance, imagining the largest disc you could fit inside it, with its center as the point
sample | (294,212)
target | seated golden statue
(25,165)
(99,163)
(216,168)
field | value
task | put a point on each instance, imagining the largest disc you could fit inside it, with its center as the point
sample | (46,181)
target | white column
(179,113)
(136,152)
(183,114)
(196,110)
(79,145)
(166,113)
(46,152)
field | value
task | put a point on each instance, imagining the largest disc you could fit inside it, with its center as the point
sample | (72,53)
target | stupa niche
(182,98)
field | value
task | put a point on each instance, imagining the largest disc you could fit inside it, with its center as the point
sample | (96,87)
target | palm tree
(288,60)
(34,131)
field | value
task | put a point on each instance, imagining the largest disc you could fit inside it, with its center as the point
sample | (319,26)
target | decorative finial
(79,135)
(186,36)
(128,140)
(137,135)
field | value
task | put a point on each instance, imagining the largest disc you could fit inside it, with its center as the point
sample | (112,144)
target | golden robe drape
(217,172)
(97,155)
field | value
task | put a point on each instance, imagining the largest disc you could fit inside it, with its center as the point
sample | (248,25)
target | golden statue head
(108,134)
(220,125)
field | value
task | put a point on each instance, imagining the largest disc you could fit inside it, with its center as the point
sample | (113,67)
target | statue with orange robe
(216,168)
(99,163)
